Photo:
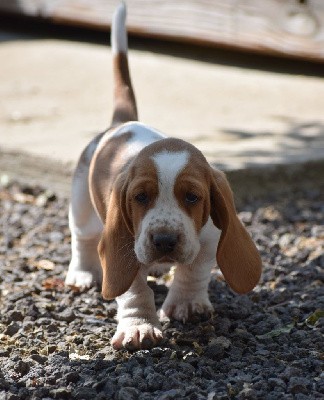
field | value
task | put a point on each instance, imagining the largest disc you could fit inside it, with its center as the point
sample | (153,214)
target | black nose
(164,242)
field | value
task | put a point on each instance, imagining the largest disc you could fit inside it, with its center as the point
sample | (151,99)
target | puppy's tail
(124,99)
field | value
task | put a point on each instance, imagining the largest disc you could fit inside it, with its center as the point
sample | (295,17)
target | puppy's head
(157,210)
(167,204)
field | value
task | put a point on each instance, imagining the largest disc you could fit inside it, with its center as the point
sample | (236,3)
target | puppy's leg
(138,324)
(188,293)
(86,227)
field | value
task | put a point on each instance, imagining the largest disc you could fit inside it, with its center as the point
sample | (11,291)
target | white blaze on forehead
(169,165)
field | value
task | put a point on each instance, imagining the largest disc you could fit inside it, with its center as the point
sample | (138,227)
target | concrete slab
(56,94)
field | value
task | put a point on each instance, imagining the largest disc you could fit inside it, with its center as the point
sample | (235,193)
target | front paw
(184,309)
(135,335)
(82,279)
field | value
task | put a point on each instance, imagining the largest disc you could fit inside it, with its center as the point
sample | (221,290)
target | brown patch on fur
(105,166)
(124,99)
(194,178)
(142,179)
(187,183)
(171,145)
(87,154)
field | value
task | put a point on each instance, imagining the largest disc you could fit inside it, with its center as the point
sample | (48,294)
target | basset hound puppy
(141,200)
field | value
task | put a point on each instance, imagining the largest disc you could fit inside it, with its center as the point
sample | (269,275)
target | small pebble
(12,328)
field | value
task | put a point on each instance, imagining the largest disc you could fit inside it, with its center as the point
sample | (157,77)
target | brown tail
(124,99)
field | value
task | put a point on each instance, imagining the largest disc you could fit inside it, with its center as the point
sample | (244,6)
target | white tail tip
(118,30)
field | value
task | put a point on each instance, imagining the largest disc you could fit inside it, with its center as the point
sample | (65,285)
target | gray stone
(84,393)
(298,384)
(61,393)
(154,381)
(22,367)
(67,315)
(15,315)
(72,376)
(128,393)
(12,328)
(171,394)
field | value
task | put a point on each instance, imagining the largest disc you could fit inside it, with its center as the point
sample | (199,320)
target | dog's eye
(191,198)
(142,198)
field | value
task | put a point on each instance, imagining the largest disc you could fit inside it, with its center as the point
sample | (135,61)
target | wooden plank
(293,28)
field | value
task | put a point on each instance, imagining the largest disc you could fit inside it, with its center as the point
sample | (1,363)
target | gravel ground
(54,341)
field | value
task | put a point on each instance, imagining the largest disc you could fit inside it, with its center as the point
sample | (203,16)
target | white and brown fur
(140,201)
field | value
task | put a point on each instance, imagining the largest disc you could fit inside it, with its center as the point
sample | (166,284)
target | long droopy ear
(237,255)
(116,247)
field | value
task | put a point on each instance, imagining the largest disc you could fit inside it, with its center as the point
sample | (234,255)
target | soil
(55,341)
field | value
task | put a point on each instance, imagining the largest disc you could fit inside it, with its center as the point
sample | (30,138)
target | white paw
(136,335)
(82,279)
(182,310)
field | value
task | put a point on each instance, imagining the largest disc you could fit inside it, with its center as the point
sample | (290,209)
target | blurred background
(242,80)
